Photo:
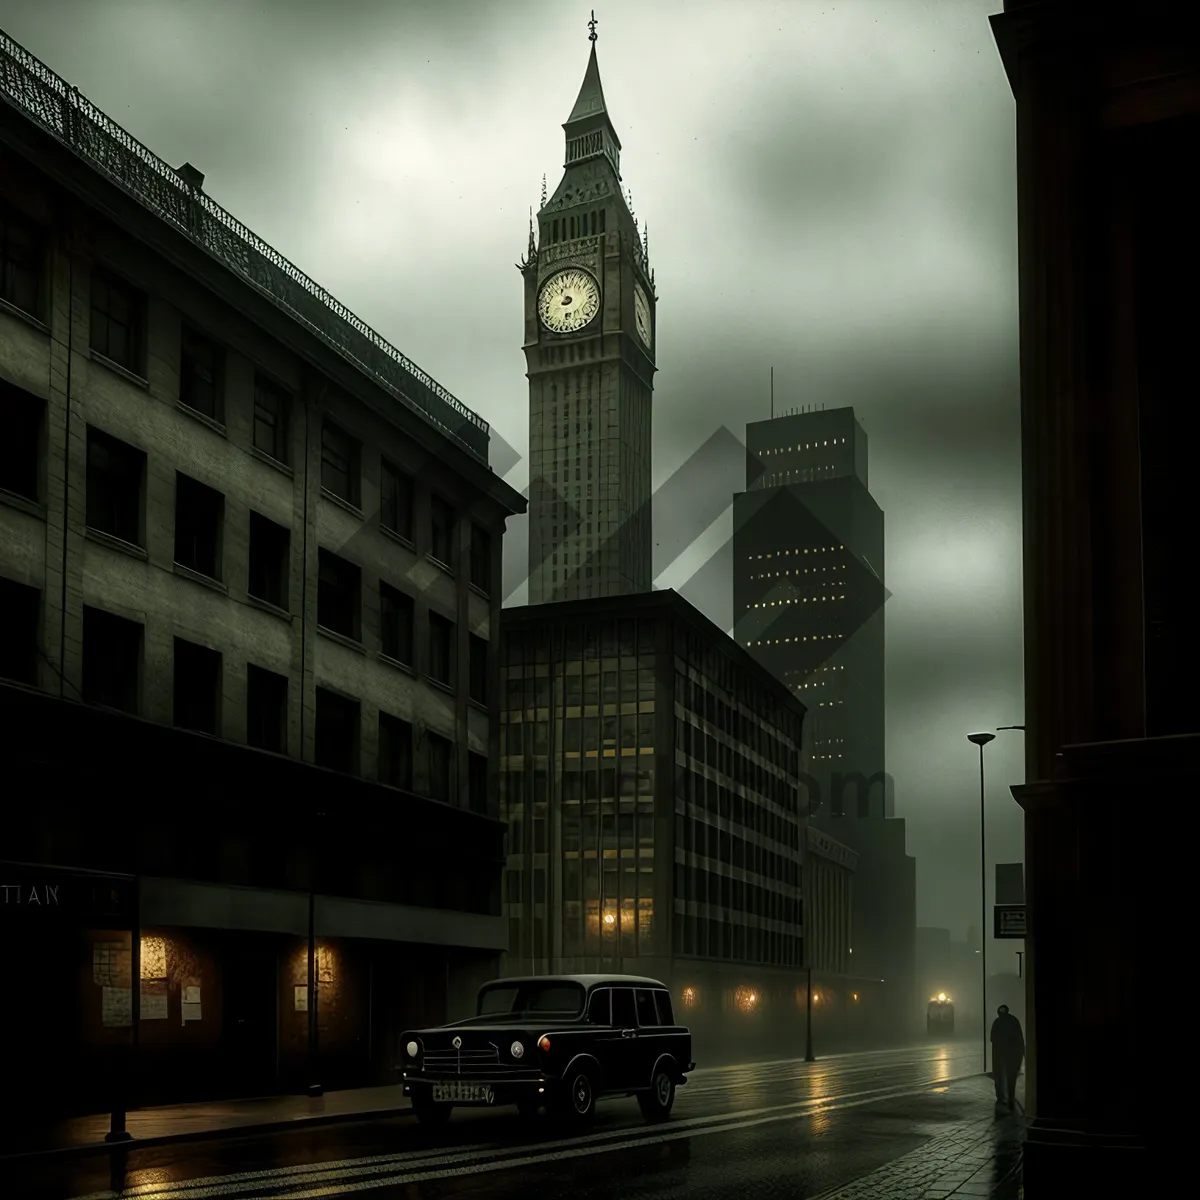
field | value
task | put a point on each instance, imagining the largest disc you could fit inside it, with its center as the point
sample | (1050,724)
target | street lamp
(981,740)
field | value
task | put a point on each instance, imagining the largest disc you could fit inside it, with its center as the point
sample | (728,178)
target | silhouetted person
(1008,1049)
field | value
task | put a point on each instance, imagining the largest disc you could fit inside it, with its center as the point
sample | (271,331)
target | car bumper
(503,1089)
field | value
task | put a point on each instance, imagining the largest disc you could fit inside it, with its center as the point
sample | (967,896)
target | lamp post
(809,1056)
(981,740)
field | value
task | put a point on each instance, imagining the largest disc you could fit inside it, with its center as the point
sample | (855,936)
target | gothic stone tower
(589,351)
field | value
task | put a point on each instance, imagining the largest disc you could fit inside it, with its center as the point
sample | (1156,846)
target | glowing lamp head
(544,1044)
(412,1049)
(941,997)
(610,918)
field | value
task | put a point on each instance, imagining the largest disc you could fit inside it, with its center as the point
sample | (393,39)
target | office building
(650,782)
(809,605)
(250,591)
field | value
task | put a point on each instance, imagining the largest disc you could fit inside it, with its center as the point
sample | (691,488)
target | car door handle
(628,1033)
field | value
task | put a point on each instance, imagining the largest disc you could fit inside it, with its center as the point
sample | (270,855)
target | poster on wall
(112,964)
(116,1007)
(190,1006)
(300,997)
(154,1000)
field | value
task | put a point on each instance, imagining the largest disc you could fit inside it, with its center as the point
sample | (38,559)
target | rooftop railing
(32,87)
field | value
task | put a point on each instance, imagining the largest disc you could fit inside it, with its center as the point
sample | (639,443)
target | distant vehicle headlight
(413,1049)
(517,1050)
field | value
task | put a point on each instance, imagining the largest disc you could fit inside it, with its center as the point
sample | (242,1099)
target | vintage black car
(553,1041)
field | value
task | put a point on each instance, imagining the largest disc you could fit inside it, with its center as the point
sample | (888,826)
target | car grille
(455,1062)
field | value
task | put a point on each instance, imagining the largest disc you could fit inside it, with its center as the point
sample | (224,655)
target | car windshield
(537,996)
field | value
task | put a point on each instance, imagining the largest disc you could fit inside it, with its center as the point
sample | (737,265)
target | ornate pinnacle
(532,243)
(592,27)
(543,204)
(646,240)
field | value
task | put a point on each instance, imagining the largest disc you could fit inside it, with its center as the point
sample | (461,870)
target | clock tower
(589,352)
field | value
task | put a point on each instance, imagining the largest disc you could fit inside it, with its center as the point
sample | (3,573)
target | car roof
(586,981)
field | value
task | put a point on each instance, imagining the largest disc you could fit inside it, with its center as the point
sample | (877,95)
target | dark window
(441,530)
(200,375)
(270,561)
(395,761)
(478,683)
(20,441)
(481,559)
(118,315)
(337,732)
(266,709)
(116,475)
(440,757)
(112,660)
(199,515)
(396,622)
(20,608)
(647,1013)
(624,1012)
(599,1009)
(339,592)
(197,687)
(272,407)
(441,648)
(396,501)
(665,1015)
(339,463)
(22,263)
(477,782)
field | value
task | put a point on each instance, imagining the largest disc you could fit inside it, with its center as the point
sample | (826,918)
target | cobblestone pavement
(976,1157)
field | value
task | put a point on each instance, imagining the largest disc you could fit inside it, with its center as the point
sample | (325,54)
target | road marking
(450,1161)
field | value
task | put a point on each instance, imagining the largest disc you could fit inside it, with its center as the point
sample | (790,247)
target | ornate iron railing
(62,110)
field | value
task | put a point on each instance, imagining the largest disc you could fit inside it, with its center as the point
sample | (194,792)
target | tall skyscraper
(808,590)
(589,350)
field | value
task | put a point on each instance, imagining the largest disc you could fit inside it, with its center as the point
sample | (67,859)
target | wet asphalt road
(787,1129)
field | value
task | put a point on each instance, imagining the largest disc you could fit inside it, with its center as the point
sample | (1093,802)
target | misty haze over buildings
(835,199)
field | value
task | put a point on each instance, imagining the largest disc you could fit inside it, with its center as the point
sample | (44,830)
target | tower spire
(592,27)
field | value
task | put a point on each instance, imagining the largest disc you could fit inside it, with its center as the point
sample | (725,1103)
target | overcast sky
(829,188)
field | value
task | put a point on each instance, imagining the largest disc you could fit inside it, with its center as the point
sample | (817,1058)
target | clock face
(641,315)
(568,301)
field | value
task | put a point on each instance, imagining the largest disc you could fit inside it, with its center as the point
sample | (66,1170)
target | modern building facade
(590,354)
(1108,120)
(250,591)
(809,598)
(650,783)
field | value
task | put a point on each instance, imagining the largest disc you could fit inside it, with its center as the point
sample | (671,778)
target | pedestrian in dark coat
(1008,1051)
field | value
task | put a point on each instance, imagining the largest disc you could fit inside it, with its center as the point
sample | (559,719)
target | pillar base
(1059,1160)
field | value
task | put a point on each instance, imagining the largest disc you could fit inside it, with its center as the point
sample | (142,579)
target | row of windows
(795,600)
(743,814)
(802,446)
(582,781)
(118,333)
(710,938)
(744,728)
(730,762)
(115,505)
(732,850)
(113,662)
(742,896)
(581,225)
(799,475)
(586,930)
(796,550)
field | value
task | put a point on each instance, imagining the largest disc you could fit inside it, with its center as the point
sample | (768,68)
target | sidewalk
(976,1157)
(219,1118)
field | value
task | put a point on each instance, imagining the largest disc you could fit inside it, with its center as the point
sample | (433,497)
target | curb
(258,1129)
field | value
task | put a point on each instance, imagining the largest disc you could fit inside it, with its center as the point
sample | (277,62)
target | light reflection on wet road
(790,1129)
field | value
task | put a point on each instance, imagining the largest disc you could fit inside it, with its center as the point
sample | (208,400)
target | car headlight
(517,1050)
(413,1049)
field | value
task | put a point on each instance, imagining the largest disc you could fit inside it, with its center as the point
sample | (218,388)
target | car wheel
(578,1100)
(429,1111)
(656,1104)
(527,1109)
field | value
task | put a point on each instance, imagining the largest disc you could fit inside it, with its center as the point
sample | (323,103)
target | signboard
(29,893)
(1009,921)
